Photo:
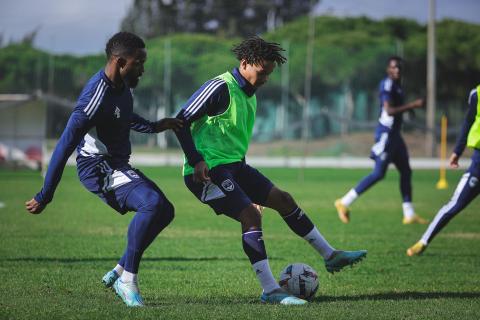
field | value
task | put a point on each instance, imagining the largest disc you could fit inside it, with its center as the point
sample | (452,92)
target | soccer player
(468,187)
(389,146)
(218,123)
(99,128)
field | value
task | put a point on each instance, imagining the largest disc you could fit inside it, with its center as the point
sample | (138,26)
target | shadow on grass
(408,295)
(86,260)
(162,302)
(114,259)
(218,301)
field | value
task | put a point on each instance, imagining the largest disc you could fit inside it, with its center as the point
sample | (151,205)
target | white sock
(317,241)
(349,198)
(118,269)
(408,210)
(265,276)
(129,277)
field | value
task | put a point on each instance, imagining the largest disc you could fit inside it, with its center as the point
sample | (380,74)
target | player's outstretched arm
(77,126)
(168,123)
(34,207)
(391,111)
(139,124)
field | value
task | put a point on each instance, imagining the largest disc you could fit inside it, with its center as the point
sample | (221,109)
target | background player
(218,124)
(468,187)
(389,145)
(99,128)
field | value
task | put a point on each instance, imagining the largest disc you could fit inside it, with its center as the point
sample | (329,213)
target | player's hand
(168,123)
(200,173)
(34,207)
(454,160)
(419,103)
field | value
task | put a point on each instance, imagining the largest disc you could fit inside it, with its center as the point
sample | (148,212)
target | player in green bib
(218,125)
(469,187)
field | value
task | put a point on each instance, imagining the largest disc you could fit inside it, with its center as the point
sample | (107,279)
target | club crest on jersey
(228,185)
(133,174)
(117,112)
(473,182)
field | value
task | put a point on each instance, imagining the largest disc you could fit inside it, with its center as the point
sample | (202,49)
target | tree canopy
(225,18)
(347,51)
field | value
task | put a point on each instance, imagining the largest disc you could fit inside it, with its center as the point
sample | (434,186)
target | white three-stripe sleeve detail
(98,103)
(201,98)
(200,103)
(99,88)
(213,82)
(471,94)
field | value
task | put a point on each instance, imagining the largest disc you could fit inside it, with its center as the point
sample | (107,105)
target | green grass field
(51,264)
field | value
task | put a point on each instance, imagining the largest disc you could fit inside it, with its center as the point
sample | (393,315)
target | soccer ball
(300,280)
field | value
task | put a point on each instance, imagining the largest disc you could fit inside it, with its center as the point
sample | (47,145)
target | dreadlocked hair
(255,51)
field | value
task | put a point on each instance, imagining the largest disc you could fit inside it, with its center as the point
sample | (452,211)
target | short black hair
(255,50)
(395,58)
(123,44)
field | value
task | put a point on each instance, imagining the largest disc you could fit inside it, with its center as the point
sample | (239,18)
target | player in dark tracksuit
(469,187)
(389,145)
(99,128)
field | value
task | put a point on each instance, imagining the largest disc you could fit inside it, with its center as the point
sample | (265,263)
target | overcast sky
(66,26)
(83,26)
(467,10)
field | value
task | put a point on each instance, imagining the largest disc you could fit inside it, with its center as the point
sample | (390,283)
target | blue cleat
(109,278)
(340,259)
(282,297)
(129,293)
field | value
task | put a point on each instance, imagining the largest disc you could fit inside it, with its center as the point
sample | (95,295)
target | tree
(29,37)
(150,18)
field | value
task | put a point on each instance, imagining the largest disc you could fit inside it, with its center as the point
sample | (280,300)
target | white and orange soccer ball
(300,280)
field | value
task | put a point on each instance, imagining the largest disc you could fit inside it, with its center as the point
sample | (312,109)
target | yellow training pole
(442,183)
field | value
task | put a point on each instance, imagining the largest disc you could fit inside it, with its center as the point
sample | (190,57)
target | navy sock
(253,245)
(299,222)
